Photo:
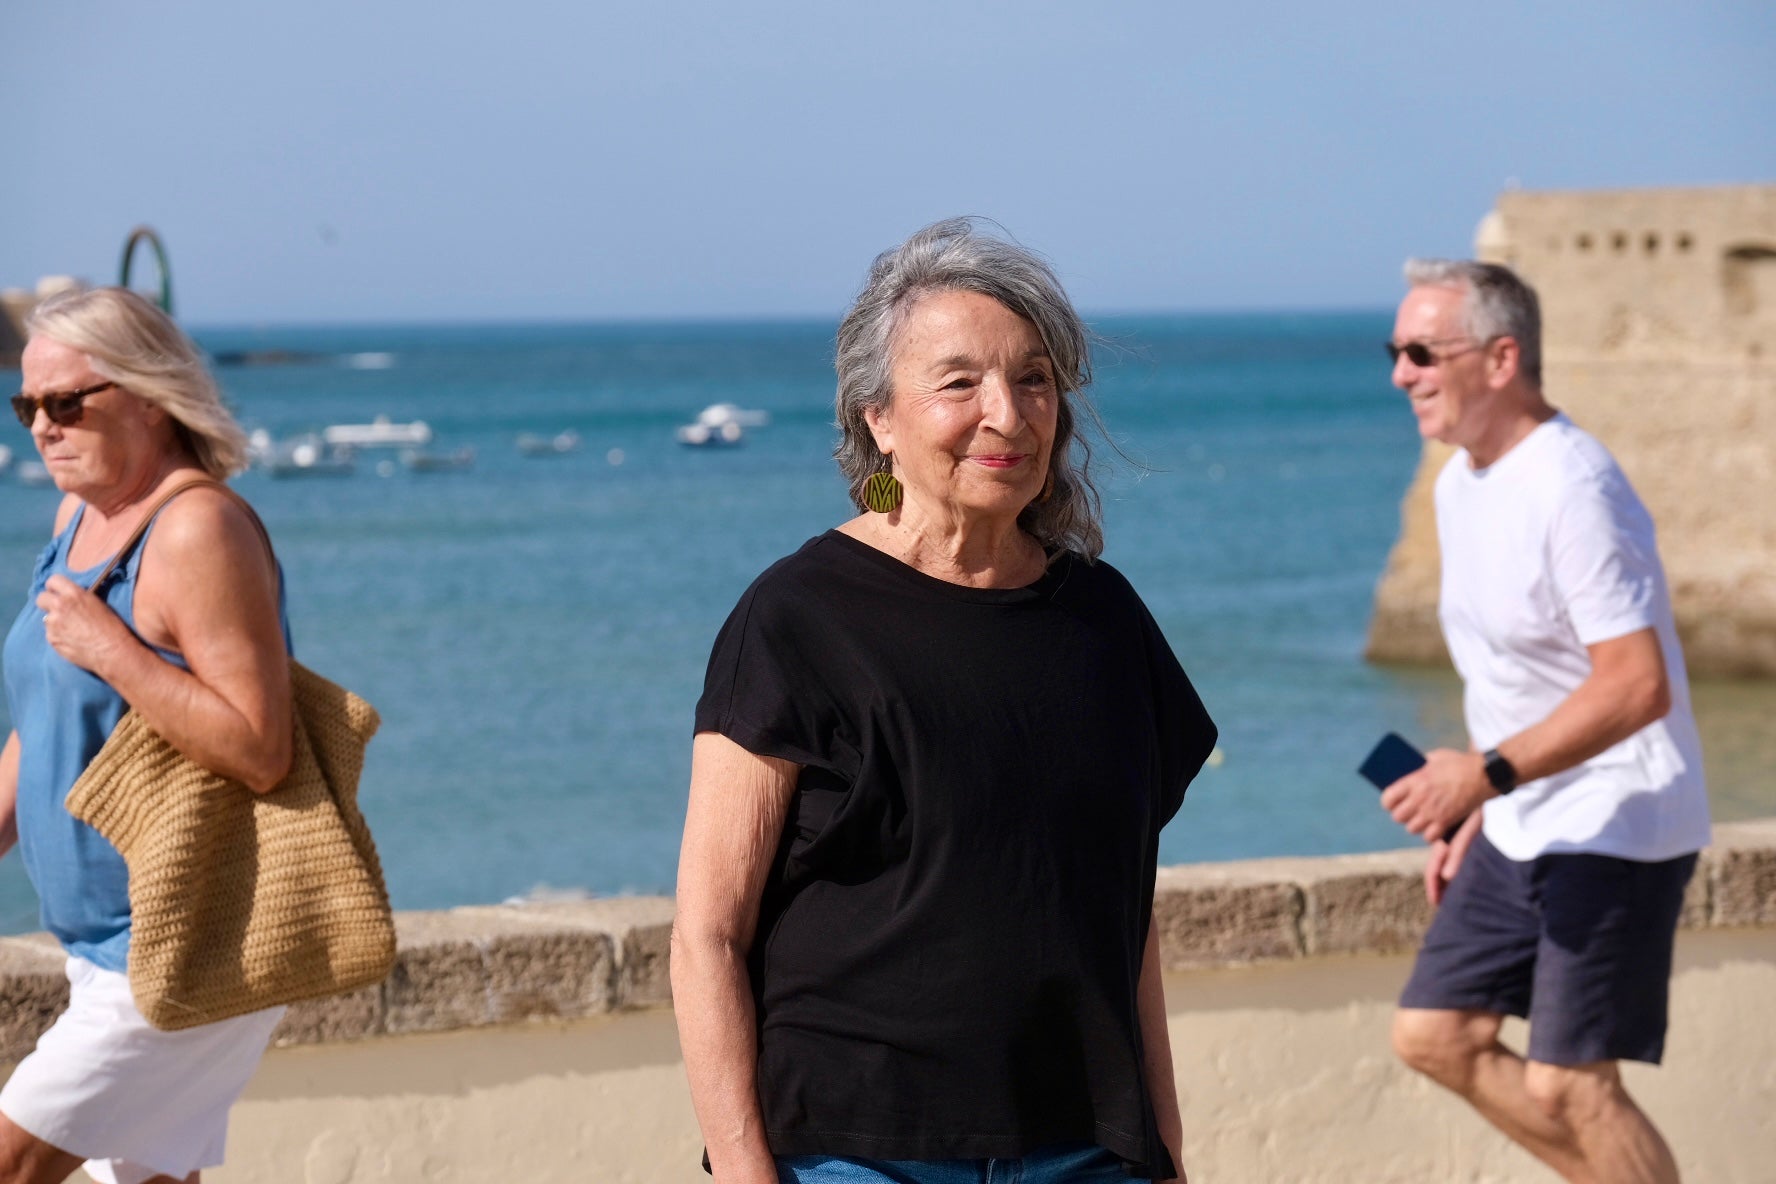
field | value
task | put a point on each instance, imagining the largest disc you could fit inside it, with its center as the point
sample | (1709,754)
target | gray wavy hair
(1496,303)
(130,341)
(949,256)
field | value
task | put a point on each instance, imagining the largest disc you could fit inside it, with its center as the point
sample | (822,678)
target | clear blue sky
(398,160)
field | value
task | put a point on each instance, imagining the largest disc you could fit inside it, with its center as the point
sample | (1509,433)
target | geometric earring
(882,492)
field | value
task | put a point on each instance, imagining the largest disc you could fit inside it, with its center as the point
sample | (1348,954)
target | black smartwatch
(1500,772)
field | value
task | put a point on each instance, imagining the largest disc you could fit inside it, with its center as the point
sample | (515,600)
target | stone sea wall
(1659,320)
(536,1042)
(492,965)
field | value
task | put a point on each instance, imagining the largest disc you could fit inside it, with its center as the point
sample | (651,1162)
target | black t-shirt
(951,934)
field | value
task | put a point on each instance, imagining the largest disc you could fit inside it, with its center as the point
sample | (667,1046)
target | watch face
(1500,772)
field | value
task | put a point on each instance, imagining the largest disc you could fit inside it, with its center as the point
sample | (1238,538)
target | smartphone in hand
(1392,759)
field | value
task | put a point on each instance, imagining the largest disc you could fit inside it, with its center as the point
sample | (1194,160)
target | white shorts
(137,1102)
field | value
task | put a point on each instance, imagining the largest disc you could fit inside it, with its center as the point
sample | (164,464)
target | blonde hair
(130,341)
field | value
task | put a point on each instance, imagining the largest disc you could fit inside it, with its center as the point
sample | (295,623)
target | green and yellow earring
(882,492)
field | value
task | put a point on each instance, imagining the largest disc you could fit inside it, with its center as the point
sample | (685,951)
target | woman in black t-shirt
(934,752)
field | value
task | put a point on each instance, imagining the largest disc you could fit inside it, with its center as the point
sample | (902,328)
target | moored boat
(419,460)
(380,432)
(703,435)
(560,444)
(307,456)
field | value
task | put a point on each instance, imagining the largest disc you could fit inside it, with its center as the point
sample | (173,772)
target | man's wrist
(1501,774)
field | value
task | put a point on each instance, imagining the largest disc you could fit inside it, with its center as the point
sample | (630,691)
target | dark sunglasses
(63,407)
(1419,353)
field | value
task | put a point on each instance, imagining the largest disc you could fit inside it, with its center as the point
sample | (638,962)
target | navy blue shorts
(1578,944)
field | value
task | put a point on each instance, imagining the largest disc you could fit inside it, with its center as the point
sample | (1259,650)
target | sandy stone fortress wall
(1659,311)
(536,1042)
(16,305)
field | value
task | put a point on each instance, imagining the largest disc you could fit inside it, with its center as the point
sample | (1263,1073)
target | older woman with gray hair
(169,606)
(933,755)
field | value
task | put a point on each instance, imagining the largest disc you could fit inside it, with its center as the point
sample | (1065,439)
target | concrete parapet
(33,990)
(464,968)
(504,965)
(1262,910)
(1215,913)
(1364,903)
(1741,876)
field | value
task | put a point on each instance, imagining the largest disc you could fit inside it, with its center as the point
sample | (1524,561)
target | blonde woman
(188,630)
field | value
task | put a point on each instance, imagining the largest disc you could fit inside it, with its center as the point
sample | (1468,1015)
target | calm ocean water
(534,630)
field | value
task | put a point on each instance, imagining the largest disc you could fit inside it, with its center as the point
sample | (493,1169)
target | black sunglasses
(63,407)
(1419,352)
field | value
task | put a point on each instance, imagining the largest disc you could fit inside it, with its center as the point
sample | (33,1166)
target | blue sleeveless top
(63,715)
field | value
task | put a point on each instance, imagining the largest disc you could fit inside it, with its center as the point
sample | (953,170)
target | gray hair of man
(950,256)
(131,342)
(1497,303)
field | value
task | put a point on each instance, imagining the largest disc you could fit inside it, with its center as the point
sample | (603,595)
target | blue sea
(534,631)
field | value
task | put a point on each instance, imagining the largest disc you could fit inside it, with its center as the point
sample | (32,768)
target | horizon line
(736,320)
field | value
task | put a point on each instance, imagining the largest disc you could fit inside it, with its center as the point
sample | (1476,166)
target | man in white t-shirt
(1558,897)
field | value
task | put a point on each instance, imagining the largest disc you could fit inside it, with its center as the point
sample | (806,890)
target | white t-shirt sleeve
(1604,560)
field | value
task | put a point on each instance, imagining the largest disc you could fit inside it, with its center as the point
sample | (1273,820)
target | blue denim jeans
(1064,1163)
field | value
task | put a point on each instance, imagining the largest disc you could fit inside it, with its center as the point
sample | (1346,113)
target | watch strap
(1500,772)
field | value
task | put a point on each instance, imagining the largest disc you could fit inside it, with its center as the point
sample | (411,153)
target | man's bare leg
(1460,1051)
(1577,1120)
(1613,1135)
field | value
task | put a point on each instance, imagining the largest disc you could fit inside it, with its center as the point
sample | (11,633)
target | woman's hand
(81,627)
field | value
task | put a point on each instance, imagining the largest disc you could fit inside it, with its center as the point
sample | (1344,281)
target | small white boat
(717,414)
(721,425)
(369,361)
(560,444)
(308,456)
(33,472)
(702,435)
(418,460)
(380,432)
(5,458)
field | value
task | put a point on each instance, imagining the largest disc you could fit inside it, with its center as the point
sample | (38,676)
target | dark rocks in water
(267,357)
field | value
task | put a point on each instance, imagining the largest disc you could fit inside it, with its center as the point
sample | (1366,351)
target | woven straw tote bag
(238,900)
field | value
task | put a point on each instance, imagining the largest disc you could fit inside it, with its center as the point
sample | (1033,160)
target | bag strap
(160,504)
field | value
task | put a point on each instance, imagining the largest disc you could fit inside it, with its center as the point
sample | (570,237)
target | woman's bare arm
(1156,1043)
(208,590)
(737,808)
(9,781)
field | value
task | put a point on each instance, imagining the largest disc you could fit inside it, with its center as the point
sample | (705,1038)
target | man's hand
(1449,787)
(1446,859)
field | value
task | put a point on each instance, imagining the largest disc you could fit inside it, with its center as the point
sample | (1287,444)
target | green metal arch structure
(145,234)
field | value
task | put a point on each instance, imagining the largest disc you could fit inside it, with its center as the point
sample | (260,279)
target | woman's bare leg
(26,1159)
